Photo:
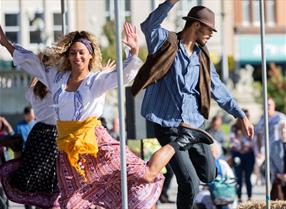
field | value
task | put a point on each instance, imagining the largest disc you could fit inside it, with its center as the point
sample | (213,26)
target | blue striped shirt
(174,98)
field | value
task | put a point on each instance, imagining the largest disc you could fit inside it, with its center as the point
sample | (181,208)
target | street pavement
(258,194)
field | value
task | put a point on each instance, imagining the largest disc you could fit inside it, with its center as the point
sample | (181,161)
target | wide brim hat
(203,15)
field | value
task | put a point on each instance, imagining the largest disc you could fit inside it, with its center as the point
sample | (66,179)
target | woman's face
(271,107)
(79,57)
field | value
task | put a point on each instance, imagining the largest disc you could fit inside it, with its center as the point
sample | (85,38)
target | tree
(109,52)
(276,87)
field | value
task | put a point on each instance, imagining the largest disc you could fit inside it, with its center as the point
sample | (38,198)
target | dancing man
(180,80)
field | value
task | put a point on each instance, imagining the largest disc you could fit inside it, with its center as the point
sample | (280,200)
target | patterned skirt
(102,186)
(32,179)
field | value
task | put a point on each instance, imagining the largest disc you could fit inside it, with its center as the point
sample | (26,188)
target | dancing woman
(32,179)
(88,165)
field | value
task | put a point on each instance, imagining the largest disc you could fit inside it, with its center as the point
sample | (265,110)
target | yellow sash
(76,138)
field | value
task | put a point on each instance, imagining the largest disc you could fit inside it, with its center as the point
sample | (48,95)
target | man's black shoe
(189,136)
(165,199)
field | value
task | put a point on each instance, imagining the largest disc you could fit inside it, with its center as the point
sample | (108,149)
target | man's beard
(199,33)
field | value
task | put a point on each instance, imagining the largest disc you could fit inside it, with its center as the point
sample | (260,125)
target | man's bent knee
(208,176)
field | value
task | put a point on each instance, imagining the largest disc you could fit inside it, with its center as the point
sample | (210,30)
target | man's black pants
(190,166)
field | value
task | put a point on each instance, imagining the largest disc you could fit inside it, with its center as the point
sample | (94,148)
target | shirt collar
(196,51)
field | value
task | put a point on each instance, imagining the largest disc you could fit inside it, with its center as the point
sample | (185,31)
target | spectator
(24,127)
(225,177)
(215,129)
(278,165)
(208,200)
(274,119)
(9,140)
(217,133)
(242,151)
(5,127)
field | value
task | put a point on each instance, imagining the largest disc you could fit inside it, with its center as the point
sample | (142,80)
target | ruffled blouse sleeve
(30,63)
(106,80)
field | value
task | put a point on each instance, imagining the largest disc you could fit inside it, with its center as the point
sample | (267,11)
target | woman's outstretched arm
(5,42)
(28,61)
(107,80)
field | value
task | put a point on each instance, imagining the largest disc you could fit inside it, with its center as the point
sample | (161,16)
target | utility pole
(224,60)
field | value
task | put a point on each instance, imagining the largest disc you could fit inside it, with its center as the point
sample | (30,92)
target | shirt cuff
(169,4)
(18,54)
(239,113)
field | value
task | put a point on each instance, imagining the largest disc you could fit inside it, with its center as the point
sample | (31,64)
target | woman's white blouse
(88,100)
(43,108)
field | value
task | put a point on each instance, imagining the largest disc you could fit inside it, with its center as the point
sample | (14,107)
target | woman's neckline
(81,83)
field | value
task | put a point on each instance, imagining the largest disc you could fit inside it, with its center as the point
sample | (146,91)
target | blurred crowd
(245,159)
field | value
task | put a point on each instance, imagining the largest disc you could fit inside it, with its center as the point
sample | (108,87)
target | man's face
(29,117)
(203,34)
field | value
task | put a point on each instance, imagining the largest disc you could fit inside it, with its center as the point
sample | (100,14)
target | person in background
(215,131)
(205,199)
(5,127)
(274,118)
(25,126)
(224,172)
(115,128)
(278,164)
(242,150)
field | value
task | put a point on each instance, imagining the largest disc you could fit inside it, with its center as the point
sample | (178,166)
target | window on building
(36,28)
(251,15)
(270,12)
(57,25)
(255,13)
(12,26)
(245,13)
(109,9)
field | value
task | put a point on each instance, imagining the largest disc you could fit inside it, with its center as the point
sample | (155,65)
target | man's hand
(247,127)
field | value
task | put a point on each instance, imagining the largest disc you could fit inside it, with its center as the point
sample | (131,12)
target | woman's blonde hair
(60,51)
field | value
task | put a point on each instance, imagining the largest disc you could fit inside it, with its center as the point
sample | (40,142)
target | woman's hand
(4,42)
(110,65)
(2,36)
(131,38)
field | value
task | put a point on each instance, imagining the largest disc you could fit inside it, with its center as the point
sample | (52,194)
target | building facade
(247,33)
(37,23)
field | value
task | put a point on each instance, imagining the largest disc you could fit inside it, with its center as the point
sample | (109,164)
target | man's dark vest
(158,64)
